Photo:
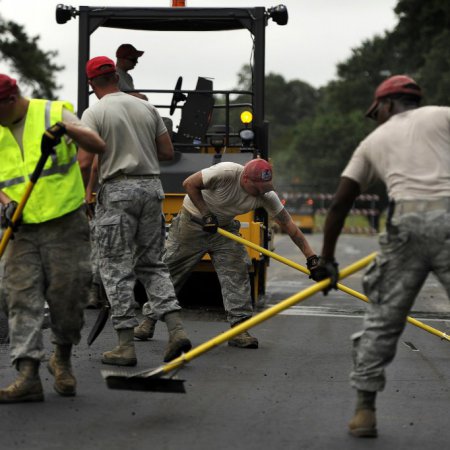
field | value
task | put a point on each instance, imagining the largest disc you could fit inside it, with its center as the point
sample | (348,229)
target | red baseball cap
(8,86)
(397,84)
(258,170)
(100,65)
(128,51)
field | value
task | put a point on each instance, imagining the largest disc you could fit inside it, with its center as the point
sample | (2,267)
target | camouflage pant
(94,253)
(47,262)
(129,228)
(185,247)
(415,245)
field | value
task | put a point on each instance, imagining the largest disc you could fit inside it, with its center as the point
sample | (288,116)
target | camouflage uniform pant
(94,253)
(416,244)
(185,247)
(129,227)
(47,262)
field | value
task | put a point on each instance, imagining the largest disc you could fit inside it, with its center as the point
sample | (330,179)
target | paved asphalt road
(291,393)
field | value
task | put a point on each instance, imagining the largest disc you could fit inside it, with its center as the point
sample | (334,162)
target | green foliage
(34,67)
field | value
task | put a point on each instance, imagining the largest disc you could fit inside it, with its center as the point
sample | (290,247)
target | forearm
(164,147)
(86,138)
(343,200)
(286,223)
(4,199)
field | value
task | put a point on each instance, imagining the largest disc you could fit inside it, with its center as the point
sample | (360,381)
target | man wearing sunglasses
(127,58)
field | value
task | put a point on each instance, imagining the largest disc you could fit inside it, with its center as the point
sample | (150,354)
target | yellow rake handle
(264,315)
(340,286)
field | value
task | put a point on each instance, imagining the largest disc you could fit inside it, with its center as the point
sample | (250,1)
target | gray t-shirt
(225,196)
(410,153)
(129,126)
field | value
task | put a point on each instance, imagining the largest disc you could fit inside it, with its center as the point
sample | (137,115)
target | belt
(123,176)
(420,206)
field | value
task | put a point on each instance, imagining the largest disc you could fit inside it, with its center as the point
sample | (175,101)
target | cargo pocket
(371,280)
(109,235)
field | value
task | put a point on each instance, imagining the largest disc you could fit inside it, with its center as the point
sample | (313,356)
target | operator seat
(196,115)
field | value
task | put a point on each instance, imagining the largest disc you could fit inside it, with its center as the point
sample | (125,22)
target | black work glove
(52,137)
(210,223)
(6,214)
(326,268)
(312,263)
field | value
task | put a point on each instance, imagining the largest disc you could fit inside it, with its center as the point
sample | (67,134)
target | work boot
(60,367)
(124,354)
(178,341)
(364,423)
(27,387)
(146,329)
(243,340)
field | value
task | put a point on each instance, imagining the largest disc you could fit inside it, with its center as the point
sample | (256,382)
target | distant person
(128,213)
(127,58)
(410,153)
(214,197)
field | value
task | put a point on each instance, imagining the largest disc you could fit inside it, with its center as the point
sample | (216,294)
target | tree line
(313,132)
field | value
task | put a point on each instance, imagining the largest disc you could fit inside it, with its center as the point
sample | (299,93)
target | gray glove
(6,214)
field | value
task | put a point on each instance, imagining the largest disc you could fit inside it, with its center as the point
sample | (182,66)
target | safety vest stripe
(48,107)
(12,182)
(63,168)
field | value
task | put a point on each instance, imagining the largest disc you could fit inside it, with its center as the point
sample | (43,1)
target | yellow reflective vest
(60,189)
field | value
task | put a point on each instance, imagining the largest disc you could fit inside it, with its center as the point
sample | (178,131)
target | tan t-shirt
(129,126)
(225,196)
(410,153)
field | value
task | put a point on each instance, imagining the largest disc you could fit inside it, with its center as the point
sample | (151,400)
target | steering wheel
(177,96)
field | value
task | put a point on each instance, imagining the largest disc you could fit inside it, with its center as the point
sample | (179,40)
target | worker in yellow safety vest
(48,260)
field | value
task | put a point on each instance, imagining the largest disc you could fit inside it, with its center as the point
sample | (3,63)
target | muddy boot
(60,367)
(243,340)
(364,423)
(146,329)
(124,354)
(27,387)
(178,341)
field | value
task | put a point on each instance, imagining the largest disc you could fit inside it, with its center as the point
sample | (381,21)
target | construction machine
(199,140)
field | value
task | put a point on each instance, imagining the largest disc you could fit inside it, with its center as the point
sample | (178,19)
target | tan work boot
(124,354)
(243,340)
(60,367)
(364,423)
(178,341)
(27,387)
(146,329)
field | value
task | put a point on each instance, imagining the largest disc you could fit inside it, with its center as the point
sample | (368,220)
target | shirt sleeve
(88,120)
(271,203)
(359,168)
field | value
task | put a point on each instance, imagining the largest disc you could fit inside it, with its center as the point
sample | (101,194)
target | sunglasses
(135,60)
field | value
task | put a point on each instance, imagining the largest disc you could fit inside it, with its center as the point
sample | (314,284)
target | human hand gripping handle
(52,137)
(210,223)
(324,268)
(6,216)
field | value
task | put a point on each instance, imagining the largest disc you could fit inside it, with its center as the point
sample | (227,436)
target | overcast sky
(319,34)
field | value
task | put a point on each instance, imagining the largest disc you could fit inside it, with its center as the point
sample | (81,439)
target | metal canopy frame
(181,19)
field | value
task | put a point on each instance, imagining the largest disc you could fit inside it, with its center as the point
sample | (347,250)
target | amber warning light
(178,3)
